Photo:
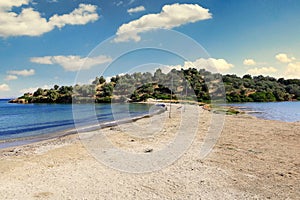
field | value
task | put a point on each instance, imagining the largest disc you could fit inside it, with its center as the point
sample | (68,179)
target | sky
(63,42)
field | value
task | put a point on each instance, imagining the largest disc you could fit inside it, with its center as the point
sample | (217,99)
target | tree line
(187,84)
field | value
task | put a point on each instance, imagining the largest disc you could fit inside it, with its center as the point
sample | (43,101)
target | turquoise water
(281,111)
(30,120)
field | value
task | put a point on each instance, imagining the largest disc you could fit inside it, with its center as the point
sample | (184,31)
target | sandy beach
(252,159)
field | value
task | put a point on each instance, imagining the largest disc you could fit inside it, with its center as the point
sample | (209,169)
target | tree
(107,90)
(258,96)
(96,81)
(158,75)
(201,84)
(88,90)
(52,95)
(247,76)
(102,80)
(38,92)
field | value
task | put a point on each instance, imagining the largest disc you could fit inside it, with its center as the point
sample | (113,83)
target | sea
(288,111)
(24,121)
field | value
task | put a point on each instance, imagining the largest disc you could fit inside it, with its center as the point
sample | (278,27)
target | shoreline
(253,158)
(259,113)
(15,142)
(61,135)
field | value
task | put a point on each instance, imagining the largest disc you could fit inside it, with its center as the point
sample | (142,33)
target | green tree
(38,92)
(102,80)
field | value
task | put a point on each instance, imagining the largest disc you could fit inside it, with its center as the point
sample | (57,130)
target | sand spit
(252,159)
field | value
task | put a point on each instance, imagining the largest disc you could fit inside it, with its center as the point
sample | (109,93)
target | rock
(280,174)
(148,150)
(21,101)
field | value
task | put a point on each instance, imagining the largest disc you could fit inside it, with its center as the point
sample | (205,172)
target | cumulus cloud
(284,58)
(25,72)
(46,60)
(262,71)
(210,64)
(10,77)
(80,16)
(33,89)
(293,70)
(4,87)
(136,9)
(72,63)
(249,62)
(171,16)
(30,23)
(8,4)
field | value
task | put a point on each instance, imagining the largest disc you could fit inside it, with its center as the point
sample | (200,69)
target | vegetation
(189,84)
(57,94)
(260,89)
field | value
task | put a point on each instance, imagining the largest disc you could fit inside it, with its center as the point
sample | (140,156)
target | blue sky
(49,42)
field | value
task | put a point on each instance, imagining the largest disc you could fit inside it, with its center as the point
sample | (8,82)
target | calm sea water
(281,111)
(29,120)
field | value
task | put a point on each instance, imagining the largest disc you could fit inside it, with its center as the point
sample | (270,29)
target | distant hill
(189,84)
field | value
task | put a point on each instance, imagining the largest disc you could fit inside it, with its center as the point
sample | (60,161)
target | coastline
(11,143)
(253,158)
(286,111)
(38,138)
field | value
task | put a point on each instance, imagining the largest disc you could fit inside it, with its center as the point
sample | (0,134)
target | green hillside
(189,84)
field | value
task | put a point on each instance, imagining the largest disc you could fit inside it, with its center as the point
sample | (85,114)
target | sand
(252,159)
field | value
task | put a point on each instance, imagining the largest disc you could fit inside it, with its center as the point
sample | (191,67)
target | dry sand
(252,159)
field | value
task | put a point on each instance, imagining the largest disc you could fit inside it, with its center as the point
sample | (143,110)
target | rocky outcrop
(21,101)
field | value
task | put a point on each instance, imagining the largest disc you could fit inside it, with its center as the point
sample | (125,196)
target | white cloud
(80,16)
(136,9)
(10,77)
(33,89)
(293,70)
(210,64)
(262,71)
(4,87)
(24,72)
(107,78)
(72,63)
(282,57)
(249,62)
(8,4)
(46,60)
(30,23)
(171,16)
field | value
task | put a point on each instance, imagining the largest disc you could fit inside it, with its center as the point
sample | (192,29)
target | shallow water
(281,111)
(29,120)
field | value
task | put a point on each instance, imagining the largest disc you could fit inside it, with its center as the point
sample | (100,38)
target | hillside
(189,84)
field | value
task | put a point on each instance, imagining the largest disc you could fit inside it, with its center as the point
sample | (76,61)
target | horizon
(59,37)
